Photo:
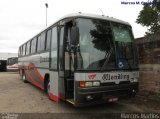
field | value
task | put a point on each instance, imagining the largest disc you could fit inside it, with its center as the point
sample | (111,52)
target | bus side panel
(21,65)
(38,66)
(36,76)
(35,67)
(54,86)
(61,88)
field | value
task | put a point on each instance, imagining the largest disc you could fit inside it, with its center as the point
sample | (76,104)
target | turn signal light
(82,84)
(89,83)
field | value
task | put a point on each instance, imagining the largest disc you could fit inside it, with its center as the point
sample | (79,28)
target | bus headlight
(88,84)
(134,80)
(96,83)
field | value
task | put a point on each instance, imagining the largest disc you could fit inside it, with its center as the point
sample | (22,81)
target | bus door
(66,82)
(61,62)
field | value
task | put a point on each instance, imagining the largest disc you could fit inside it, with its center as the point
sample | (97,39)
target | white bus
(12,64)
(83,59)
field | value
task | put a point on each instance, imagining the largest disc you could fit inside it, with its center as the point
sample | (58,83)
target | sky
(20,20)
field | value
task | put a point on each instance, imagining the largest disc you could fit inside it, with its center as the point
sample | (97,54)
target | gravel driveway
(19,97)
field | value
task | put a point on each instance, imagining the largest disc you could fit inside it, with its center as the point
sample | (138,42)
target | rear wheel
(24,77)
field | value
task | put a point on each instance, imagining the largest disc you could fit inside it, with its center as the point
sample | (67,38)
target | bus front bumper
(102,94)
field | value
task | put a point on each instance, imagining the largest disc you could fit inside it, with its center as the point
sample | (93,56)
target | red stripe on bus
(36,71)
(33,81)
(12,67)
(39,75)
(54,97)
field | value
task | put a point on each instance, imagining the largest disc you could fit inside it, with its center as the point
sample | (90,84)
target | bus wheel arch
(23,77)
(46,83)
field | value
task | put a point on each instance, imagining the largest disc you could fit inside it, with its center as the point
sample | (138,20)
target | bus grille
(113,83)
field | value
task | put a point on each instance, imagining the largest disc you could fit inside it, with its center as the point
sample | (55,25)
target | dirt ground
(19,97)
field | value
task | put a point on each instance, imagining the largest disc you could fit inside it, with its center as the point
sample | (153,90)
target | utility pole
(46,4)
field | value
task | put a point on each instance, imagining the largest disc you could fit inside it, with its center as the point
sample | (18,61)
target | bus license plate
(113,99)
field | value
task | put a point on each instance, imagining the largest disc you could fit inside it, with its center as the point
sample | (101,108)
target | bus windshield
(125,47)
(100,48)
(12,61)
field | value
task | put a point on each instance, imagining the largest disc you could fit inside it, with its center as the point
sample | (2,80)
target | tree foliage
(149,16)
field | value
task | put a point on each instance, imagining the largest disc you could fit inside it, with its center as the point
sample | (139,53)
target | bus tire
(24,77)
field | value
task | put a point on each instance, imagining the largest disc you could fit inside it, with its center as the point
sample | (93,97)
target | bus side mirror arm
(74,36)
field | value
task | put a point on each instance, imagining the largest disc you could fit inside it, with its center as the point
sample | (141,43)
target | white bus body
(83,59)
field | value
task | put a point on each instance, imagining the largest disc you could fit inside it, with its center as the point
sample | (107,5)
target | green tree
(149,16)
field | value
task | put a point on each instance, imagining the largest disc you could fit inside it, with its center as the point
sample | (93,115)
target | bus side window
(28,48)
(38,43)
(33,45)
(24,49)
(19,51)
(48,39)
(54,49)
(41,42)
(43,37)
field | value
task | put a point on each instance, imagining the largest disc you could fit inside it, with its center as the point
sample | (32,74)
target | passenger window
(54,48)
(41,42)
(48,40)
(28,48)
(33,45)
(24,49)
(43,37)
(19,51)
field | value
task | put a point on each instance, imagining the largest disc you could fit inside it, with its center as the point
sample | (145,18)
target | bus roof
(83,15)
(94,16)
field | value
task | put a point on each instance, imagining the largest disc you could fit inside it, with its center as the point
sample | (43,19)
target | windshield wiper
(107,56)
(129,65)
(122,54)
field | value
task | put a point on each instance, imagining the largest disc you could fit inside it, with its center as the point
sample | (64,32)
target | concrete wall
(149,59)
